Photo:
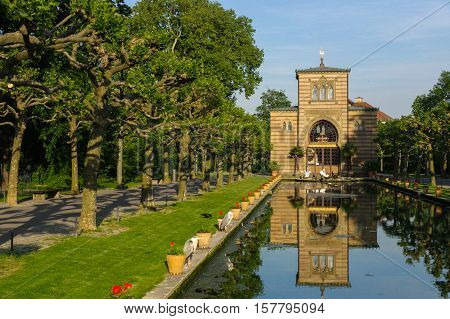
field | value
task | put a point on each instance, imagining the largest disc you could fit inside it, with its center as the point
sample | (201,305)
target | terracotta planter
(203,240)
(425,190)
(265,186)
(407,184)
(438,191)
(438,210)
(244,205)
(274,173)
(236,213)
(251,199)
(175,263)
(257,194)
(386,179)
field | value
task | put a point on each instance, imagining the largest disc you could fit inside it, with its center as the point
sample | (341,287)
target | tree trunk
(75,185)
(444,164)
(13,177)
(381,162)
(431,163)
(184,165)
(206,184)
(191,163)
(219,183)
(147,200)
(232,164)
(166,172)
(203,155)
(88,218)
(178,162)
(119,169)
(396,169)
(418,168)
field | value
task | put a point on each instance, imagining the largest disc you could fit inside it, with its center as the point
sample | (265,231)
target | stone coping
(416,194)
(173,283)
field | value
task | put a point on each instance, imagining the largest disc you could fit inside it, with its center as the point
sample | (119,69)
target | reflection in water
(328,225)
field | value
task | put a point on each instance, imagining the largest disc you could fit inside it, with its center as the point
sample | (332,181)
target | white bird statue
(226,221)
(189,249)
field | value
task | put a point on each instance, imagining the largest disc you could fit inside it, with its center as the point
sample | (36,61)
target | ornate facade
(324,121)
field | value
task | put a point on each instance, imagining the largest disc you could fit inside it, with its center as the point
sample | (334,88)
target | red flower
(237,205)
(220,213)
(243,199)
(171,244)
(127,285)
(117,290)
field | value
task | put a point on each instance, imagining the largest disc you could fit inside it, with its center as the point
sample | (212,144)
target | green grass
(431,189)
(88,266)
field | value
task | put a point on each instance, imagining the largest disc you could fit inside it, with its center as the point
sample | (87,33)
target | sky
(292,32)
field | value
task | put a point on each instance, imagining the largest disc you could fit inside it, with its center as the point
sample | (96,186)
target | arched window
(284,126)
(315,93)
(289,126)
(323,94)
(323,131)
(330,93)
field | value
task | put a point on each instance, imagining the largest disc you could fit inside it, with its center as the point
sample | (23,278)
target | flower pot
(274,173)
(438,210)
(407,184)
(425,190)
(257,194)
(203,240)
(244,205)
(438,191)
(386,179)
(251,199)
(265,186)
(175,263)
(416,185)
(236,213)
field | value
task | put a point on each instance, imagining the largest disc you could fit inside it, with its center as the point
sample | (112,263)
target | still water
(313,240)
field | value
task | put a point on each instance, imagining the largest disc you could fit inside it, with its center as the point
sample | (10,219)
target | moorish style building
(324,121)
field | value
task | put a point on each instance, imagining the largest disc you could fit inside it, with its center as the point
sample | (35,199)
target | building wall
(283,140)
(336,111)
(362,136)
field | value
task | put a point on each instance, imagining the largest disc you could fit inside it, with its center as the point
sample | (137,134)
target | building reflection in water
(325,221)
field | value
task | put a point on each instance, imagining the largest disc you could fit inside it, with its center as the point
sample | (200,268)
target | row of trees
(420,141)
(165,71)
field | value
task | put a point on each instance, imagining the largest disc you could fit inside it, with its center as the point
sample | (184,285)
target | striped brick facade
(353,123)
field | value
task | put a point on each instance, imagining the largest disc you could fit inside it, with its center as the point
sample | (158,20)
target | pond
(313,240)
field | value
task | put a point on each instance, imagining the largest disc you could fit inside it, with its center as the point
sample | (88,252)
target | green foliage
(296,152)
(371,166)
(204,230)
(271,100)
(175,251)
(274,166)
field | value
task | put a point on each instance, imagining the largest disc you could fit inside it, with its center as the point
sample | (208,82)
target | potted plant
(236,211)
(386,179)
(274,168)
(257,194)
(244,203)
(251,198)
(175,259)
(219,220)
(438,191)
(416,185)
(425,189)
(204,237)
(407,183)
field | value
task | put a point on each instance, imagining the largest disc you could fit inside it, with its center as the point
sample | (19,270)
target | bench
(43,194)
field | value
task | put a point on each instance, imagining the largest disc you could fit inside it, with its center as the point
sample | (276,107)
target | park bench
(43,194)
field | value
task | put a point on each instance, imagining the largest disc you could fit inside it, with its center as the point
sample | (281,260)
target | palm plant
(296,152)
(348,151)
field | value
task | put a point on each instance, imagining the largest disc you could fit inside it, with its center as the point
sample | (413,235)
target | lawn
(88,266)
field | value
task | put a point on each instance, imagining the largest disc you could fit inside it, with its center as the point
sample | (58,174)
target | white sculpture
(324,173)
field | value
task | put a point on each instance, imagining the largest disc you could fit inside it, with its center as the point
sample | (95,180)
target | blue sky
(291,32)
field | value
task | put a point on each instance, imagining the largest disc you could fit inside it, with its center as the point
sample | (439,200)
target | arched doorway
(322,151)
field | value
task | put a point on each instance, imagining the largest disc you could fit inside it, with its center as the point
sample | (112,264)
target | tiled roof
(381,116)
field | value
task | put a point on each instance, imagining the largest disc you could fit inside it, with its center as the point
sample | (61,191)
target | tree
(271,100)
(296,153)
(348,151)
